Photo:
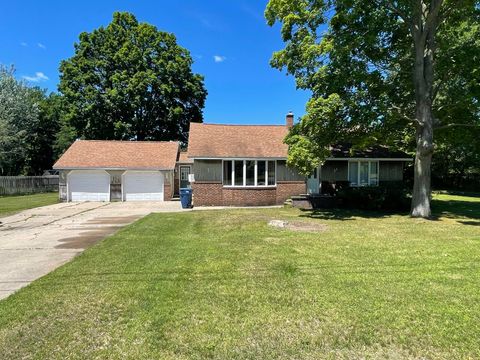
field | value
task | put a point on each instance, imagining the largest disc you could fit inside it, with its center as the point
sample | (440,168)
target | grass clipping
(297,225)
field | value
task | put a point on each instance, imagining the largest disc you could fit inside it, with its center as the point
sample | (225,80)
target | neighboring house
(231,165)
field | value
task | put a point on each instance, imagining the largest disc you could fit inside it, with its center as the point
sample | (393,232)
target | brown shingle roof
(226,141)
(183,158)
(88,154)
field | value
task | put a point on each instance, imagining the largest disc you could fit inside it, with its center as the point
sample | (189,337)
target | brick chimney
(289,119)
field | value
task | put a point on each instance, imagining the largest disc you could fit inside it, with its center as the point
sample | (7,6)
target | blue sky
(229,40)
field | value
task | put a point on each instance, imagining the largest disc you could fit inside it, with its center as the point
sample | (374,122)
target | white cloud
(39,77)
(41,46)
(219,58)
(23,43)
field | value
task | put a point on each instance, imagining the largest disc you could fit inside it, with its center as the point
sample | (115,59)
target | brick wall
(214,194)
(286,189)
(167,186)
(207,193)
(249,197)
(167,192)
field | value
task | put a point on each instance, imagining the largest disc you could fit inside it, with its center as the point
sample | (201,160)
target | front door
(313,184)
(184,172)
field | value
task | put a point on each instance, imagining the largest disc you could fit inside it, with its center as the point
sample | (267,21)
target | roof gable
(105,154)
(237,141)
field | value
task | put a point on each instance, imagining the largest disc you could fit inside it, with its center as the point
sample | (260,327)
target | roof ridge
(131,141)
(210,124)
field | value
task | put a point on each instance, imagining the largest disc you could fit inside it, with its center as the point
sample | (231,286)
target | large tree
(29,121)
(130,81)
(18,115)
(41,137)
(380,71)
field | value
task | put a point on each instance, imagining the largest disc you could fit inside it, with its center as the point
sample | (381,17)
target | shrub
(388,196)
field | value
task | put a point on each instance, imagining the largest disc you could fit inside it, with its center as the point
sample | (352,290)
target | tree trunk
(422,171)
(424,32)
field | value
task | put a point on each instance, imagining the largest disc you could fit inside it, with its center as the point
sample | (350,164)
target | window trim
(255,186)
(370,162)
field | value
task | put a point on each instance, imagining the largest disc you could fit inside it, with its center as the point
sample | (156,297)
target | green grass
(12,204)
(224,285)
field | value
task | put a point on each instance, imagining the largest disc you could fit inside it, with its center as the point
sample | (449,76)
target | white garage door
(143,186)
(89,185)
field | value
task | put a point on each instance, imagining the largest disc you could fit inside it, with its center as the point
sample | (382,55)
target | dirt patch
(84,240)
(298,225)
(303,226)
(93,234)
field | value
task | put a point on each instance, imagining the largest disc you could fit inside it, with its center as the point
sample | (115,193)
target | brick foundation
(249,197)
(214,194)
(287,189)
(207,193)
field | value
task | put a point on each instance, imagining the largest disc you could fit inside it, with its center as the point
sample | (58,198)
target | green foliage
(386,197)
(456,162)
(361,52)
(29,121)
(307,147)
(129,81)
(18,119)
(42,137)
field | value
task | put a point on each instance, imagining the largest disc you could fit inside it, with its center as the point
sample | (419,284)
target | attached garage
(88,185)
(98,170)
(143,186)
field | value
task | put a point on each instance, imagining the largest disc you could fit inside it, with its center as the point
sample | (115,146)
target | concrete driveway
(36,241)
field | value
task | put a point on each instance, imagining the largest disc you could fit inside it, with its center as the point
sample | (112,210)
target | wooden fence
(12,185)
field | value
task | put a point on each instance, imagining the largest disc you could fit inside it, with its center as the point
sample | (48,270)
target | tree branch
(432,18)
(400,13)
(400,113)
(403,15)
(439,86)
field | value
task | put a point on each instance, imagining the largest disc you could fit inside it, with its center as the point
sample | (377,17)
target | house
(241,165)
(230,165)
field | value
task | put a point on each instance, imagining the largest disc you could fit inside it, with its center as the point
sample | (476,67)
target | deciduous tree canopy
(381,71)
(130,81)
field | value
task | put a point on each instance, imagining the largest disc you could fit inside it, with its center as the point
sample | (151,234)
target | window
(271,173)
(261,173)
(238,173)
(227,173)
(249,173)
(363,173)
(353,173)
(374,173)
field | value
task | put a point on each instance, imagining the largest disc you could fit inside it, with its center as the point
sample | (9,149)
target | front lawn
(224,285)
(12,204)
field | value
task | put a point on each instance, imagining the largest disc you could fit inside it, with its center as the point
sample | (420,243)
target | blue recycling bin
(186,197)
